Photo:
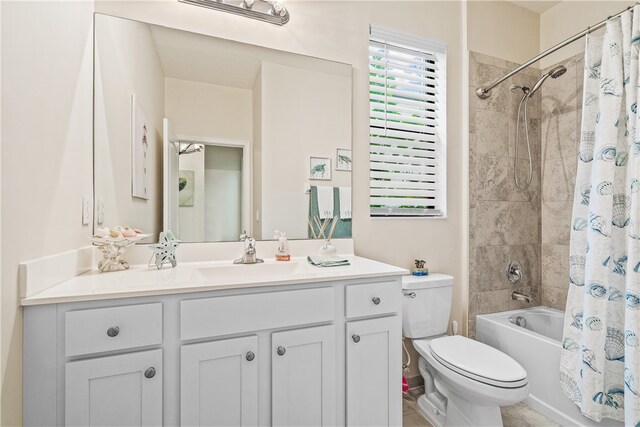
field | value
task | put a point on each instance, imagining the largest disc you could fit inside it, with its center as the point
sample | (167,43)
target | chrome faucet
(249,255)
(520,297)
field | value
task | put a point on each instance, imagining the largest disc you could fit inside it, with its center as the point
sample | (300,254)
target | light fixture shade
(262,10)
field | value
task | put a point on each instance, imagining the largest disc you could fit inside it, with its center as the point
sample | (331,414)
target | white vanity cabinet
(373,355)
(123,390)
(219,383)
(303,377)
(280,355)
(374,385)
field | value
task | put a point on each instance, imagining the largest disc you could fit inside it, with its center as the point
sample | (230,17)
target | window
(407,123)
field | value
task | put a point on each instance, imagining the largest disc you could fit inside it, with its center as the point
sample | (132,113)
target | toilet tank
(426,305)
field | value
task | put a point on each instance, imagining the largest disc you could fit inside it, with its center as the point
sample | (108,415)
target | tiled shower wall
(532,227)
(505,224)
(561,118)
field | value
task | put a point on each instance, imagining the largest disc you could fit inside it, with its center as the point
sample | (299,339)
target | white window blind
(406,125)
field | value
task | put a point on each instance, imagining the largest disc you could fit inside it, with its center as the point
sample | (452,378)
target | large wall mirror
(210,137)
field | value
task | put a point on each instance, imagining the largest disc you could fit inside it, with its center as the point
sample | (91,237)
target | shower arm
(484,92)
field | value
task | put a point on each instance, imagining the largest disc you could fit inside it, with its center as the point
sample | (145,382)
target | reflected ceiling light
(272,11)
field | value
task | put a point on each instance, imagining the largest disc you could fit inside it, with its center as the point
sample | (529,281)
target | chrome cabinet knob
(250,356)
(375,300)
(150,372)
(355,338)
(281,351)
(113,331)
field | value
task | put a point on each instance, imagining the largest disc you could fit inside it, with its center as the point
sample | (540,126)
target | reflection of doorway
(219,209)
(222,193)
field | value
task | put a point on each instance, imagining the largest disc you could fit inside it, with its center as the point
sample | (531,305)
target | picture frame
(343,159)
(142,137)
(320,168)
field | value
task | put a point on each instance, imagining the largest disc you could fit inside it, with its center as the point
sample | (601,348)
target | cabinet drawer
(209,317)
(373,299)
(113,328)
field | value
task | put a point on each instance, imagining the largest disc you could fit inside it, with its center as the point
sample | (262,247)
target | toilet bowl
(466,381)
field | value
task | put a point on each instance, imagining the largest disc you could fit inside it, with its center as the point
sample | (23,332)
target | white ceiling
(537,6)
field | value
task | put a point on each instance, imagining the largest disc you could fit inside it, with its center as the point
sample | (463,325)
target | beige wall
(127,63)
(568,18)
(207,110)
(503,30)
(47,85)
(294,129)
(256,159)
(204,110)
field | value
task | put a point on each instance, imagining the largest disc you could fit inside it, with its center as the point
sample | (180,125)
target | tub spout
(520,297)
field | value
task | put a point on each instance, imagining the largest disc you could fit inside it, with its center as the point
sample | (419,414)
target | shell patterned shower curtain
(600,362)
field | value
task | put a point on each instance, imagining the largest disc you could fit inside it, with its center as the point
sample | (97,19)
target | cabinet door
(123,390)
(219,383)
(303,377)
(374,372)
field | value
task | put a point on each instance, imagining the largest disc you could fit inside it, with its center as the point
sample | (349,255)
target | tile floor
(519,415)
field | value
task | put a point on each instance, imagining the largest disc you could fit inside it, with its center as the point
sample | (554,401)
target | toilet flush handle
(410,294)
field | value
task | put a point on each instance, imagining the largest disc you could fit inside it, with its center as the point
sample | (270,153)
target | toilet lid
(478,361)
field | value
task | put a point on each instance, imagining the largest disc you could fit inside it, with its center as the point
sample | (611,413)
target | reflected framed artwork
(320,168)
(343,159)
(185,188)
(142,137)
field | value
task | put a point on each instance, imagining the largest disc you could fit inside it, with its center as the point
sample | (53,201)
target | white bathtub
(536,347)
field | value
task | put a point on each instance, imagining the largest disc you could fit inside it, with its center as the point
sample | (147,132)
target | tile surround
(504,223)
(531,226)
(562,117)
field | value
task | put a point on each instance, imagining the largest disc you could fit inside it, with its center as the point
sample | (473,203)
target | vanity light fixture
(272,11)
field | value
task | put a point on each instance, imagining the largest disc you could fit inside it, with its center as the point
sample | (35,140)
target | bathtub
(536,346)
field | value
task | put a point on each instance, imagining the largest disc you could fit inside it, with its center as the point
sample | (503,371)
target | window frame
(438,50)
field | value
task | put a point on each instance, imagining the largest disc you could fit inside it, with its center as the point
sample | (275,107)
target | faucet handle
(244,236)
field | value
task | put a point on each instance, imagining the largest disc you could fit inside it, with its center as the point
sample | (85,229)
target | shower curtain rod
(484,92)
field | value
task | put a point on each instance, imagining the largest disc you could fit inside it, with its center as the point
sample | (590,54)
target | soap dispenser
(282,253)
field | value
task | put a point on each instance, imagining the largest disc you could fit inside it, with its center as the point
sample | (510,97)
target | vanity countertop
(141,280)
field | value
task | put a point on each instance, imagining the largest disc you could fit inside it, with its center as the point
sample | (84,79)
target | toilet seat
(475,361)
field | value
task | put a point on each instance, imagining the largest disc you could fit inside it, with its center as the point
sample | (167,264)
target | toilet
(465,381)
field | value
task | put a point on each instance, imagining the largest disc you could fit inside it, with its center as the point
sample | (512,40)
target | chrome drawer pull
(113,331)
(150,372)
(375,300)
(250,356)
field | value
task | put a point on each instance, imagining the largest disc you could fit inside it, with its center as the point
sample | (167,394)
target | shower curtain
(600,361)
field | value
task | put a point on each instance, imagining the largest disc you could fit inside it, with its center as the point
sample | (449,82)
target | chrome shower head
(557,71)
(554,73)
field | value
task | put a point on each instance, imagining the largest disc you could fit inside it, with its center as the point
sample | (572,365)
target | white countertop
(141,280)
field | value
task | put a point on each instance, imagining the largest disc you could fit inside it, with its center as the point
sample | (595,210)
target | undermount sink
(244,271)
